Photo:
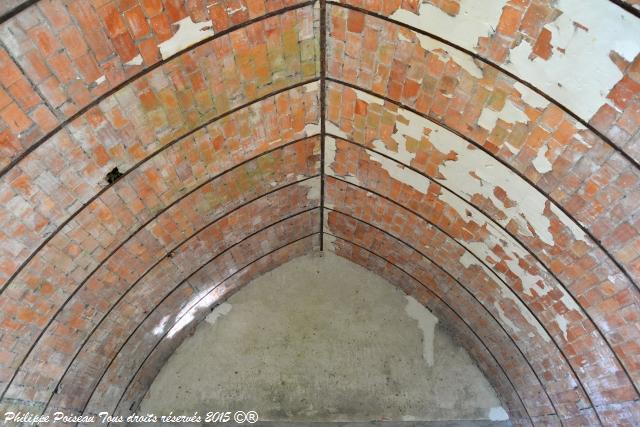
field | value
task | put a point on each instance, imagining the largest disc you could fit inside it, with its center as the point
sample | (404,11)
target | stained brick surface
(513,217)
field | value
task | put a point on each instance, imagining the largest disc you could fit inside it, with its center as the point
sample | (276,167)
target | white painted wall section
(471,23)
(188,34)
(583,75)
(427,324)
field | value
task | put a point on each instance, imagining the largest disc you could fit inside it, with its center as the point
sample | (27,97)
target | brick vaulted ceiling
(482,155)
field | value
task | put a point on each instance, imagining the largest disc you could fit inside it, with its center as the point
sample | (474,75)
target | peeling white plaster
(475,172)
(562,324)
(397,170)
(221,310)
(530,97)
(498,413)
(368,98)
(313,185)
(188,34)
(510,113)
(100,80)
(137,60)
(498,237)
(402,37)
(446,52)
(583,75)
(329,153)
(312,86)
(471,23)
(312,129)
(504,293)
(331,128)
(511,148)
(508,323)
(541,163)
(330,158)
(427,323)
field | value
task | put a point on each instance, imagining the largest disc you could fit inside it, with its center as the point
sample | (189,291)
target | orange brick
(509,21)
(543,46)
(15,118)
(355,23)
(137,22)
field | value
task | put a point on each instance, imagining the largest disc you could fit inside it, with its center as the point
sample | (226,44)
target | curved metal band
(44,329)
(502,162)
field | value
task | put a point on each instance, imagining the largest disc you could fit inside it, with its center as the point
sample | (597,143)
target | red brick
(15,118)
(137,22)
(152,7)
(543,46)
(509,21)
(355,23)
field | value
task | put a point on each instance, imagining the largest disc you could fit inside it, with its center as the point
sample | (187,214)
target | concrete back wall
(321,339)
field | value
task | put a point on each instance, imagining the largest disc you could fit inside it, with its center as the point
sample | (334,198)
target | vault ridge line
(323,108)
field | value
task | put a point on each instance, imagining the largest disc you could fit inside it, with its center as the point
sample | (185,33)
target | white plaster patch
(331,128)
(312,86)
(530,97)
(467,259)
(188,34)
(397,170)
(583,75)
(510,113)
(511,148)
(313,185)
(221,310)
(329,153)
(312,129)
(330,158)
(100,80)
(426,322)
(402,37)
(368,98)
(137,60)
(474,172)
(562,324)
(446,53)
(498,413)
(464,29)
(541,163)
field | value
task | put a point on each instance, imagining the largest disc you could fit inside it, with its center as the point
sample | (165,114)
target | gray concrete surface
(321,339)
